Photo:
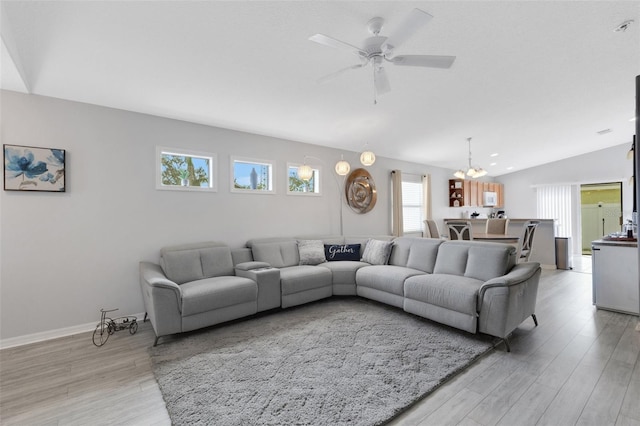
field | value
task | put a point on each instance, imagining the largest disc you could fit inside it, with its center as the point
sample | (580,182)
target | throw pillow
(335,252)
(377,252)
(311,252)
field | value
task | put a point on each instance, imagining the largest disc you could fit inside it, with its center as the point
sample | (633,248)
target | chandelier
(473,172)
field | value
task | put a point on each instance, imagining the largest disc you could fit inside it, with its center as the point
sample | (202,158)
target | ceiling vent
(604,131)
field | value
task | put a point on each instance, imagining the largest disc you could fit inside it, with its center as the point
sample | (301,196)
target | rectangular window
(412,203)
(184,170)
(252,176)
(298,186)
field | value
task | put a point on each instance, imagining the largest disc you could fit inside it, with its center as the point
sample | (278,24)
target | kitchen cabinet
(615,276)
(469,193)
(456,193)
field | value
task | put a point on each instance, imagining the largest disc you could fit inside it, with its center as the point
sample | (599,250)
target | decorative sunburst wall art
(28,168)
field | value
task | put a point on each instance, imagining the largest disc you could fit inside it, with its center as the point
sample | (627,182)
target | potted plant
(184,177)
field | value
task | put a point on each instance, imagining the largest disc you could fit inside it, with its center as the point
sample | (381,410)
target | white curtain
(426,191)
(554,202)
(397,224)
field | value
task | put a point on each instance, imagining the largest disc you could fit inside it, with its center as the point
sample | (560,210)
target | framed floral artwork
(28,168)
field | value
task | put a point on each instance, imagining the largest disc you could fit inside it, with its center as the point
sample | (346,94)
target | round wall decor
(360,190)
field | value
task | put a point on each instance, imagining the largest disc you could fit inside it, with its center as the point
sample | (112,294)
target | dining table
(497,238)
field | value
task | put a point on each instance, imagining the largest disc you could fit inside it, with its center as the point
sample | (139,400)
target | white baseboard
(52,334)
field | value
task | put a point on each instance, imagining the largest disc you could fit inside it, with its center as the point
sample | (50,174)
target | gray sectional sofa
(473,286)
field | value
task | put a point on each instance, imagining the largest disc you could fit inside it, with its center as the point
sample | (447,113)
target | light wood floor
(580,366)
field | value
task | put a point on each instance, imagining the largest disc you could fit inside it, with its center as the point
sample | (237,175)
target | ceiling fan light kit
(379,49)
(472,172)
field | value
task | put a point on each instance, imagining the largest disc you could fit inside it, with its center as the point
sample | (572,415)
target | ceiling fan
(378,49)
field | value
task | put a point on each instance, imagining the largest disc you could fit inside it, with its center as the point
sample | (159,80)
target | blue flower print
(18,164)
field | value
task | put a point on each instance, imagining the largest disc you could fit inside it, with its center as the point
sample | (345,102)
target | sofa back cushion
(423,254)
(400,251)
(190,262)
(277,252)
(485,263)
(452,259)
(481,261)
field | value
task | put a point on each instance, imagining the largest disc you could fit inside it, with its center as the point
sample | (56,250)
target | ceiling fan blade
(416,19)
(431,61)
(381,81)
(336,44)
(337,73)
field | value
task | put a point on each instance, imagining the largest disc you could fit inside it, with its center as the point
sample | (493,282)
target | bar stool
(497,226)
(459,230)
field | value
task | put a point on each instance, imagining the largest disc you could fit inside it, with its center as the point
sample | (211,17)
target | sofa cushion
(342,252)
(485,262)
(423,254)
(295,279)
(215,293)
(311,252)
(278,254)
(182,266)
(400,251)
(387,278)
(377,252)
(452,259)
(344,272)
(190,262)
(452,292)
(216,261)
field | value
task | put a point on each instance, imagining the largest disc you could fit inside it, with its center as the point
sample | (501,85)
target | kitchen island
(544,250)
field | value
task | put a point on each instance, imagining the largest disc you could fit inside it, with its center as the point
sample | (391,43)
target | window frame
(272,175)
(213,169)
(317,175)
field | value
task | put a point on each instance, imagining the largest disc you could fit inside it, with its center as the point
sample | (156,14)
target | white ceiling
(533,80)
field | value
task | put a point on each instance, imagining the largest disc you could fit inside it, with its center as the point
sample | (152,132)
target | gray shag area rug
(334,362)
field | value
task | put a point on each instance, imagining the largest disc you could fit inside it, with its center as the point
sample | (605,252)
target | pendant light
(472,172)
(305,172)
(367,158)
(342,167)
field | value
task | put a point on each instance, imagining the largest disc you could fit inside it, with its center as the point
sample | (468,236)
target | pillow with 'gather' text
(336,252)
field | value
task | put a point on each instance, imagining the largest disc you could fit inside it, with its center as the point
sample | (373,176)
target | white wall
(65,256)
(607,165)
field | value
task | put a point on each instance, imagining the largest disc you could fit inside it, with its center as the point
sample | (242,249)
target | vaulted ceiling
(533,81)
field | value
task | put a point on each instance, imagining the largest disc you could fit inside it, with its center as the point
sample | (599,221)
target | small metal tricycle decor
(108,326)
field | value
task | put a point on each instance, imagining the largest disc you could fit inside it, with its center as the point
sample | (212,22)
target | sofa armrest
(268,281)
(504,302)
(162,299)
(519,273)
(249,266)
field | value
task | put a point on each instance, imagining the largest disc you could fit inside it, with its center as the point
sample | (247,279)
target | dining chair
(526,244)
(497,226)
(431,229)
(459,230)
